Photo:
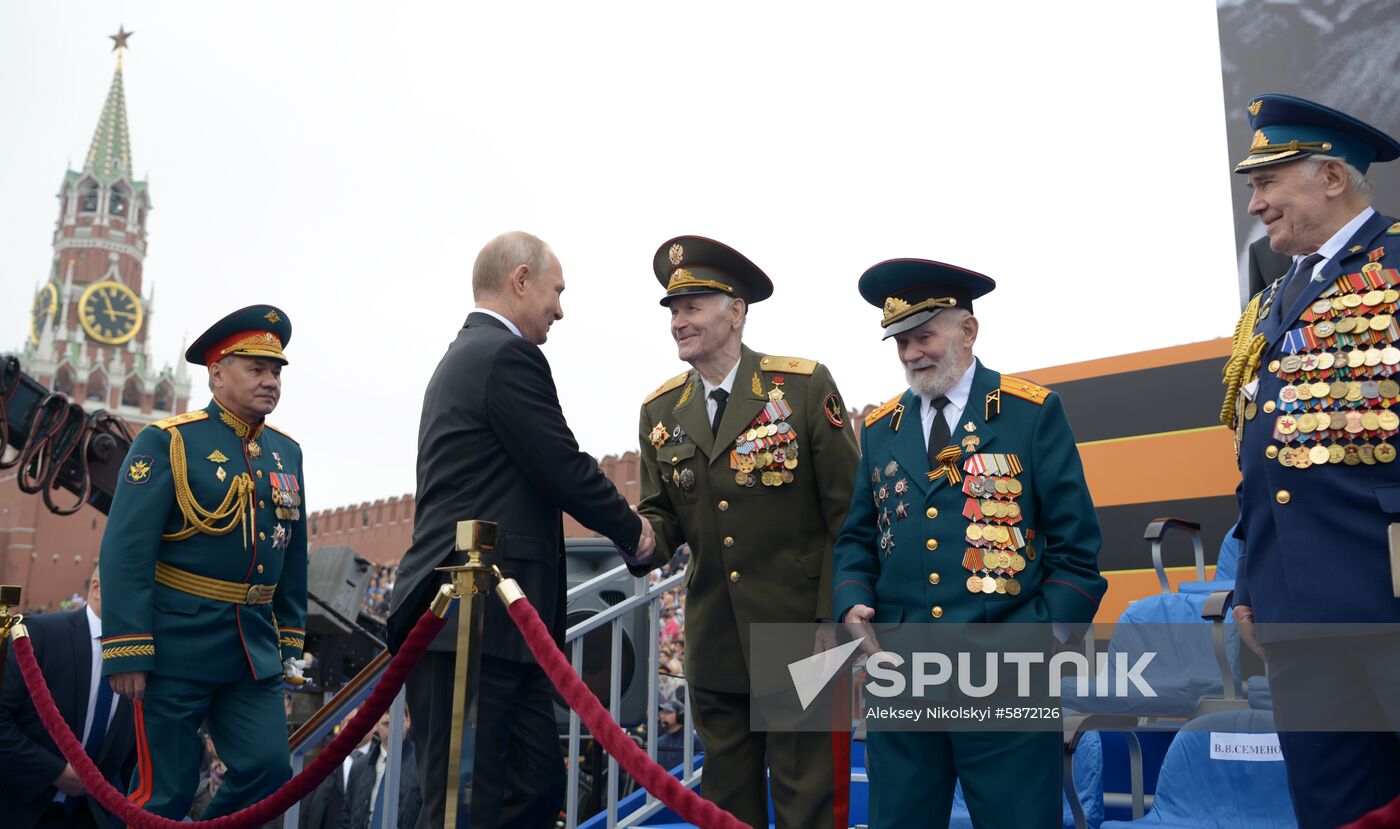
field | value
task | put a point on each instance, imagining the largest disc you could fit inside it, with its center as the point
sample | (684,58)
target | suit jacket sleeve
(524,406)
(1070,537)
(835,456)
(655,505)
(30,768)
(130,544)
(856,567)
(289,602)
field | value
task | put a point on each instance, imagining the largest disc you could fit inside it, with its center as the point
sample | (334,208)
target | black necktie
(938,433)
(720,396)
(1294,283)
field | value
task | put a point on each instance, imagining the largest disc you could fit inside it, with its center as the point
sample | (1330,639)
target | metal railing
(614,617)
(324,722)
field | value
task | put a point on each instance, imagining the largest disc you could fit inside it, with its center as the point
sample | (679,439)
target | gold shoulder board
(884,409)
(674,383)
(790,365)
(1024,389)
(181,419)
(282,433)
(1394,229)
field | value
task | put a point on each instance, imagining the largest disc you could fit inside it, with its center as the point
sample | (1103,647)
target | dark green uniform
(760,514)
(204,588)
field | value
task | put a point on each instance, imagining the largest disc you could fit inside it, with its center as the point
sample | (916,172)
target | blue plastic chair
(1223,771)
(1225,566)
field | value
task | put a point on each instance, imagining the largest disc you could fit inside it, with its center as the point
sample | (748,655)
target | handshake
(646,545)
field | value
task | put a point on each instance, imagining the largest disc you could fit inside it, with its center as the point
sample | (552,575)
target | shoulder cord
(198,519)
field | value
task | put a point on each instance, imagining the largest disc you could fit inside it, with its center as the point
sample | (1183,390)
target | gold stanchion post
(9,598)
(471,584)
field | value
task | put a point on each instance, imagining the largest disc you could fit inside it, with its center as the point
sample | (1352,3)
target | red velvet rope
(642,768)
(273,805)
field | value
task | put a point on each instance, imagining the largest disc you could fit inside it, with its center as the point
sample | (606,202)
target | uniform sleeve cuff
(128,653)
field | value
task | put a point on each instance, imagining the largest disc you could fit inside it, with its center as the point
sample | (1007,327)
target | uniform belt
(217,589)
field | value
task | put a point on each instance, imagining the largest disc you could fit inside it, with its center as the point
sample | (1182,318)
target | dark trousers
(520,782)
(1336,777)
(738,762)
(1010,779)
(246,721)
(55,817)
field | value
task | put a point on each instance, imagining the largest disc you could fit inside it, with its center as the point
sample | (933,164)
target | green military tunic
(206,524)
(760,504)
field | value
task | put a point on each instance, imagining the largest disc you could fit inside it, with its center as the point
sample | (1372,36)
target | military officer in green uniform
(970,506)
(204,570)
(749,458)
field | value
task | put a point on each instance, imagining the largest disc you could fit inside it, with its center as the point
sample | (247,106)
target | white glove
(292,671)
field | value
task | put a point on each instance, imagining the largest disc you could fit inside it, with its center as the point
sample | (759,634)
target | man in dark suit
(364,791)
(39,788)
(493,445)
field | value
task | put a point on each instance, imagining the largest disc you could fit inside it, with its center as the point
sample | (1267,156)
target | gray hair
(502,255)
(222,361)
(728,300)
(1360,185)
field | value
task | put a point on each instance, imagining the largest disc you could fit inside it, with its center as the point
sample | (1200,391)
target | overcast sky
(345,161)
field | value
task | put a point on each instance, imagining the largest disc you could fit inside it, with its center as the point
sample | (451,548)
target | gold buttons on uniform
(937,612)
(734,576)
(1282,496)
(259,473)
(1269,406)
(933,578)
(260,568)
(729,541)
(932,544)
(262,505)
(262,536)
(1273,365)
(675,458)
(723,505)
(1271,452)
(932,512)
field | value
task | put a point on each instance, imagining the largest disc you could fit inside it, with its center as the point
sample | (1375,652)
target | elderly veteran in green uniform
(748,458)
(204,576)
(970,506)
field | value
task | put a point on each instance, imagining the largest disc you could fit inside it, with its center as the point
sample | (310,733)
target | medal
(1384,452)
(1319,455)
(1013,587)
(974,584)
(989,585)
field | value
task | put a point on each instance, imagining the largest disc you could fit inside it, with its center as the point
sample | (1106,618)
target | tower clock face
(110,312)
(45,306)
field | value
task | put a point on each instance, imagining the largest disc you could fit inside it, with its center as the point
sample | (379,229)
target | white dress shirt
(1333,246)
(508,324)
(94,623)
(727,384)
(957,402)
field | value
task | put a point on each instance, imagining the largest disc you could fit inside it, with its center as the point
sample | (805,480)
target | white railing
(614,617)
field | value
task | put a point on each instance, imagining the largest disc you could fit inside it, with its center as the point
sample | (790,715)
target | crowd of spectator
(381,586)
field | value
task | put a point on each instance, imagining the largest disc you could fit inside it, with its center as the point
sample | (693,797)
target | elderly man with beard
(970,506)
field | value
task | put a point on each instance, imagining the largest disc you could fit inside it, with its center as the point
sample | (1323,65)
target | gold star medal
(658,435)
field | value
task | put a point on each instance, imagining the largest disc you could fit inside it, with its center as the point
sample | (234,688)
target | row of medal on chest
(1292,366)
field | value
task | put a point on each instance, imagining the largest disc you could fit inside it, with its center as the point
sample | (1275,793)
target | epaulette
(674,383)
(169,423)
(1024,389)
(884,409)
(1393,230)
(282,433)
(791,365)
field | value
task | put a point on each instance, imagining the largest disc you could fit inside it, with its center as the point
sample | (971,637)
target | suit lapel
(984,382)
(908,446)
(692,415)
(743,406)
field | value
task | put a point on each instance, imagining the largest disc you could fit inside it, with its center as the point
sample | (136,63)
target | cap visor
(909,323)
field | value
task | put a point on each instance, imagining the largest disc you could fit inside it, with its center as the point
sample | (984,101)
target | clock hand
(108,300)
(127,314)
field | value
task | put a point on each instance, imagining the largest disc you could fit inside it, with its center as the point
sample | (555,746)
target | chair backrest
(1223,771)
(1229,559)
(1183,668)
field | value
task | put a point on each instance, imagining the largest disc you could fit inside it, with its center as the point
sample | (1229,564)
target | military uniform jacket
(1313,521)
(250,478)
(760,541)
(911,545)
